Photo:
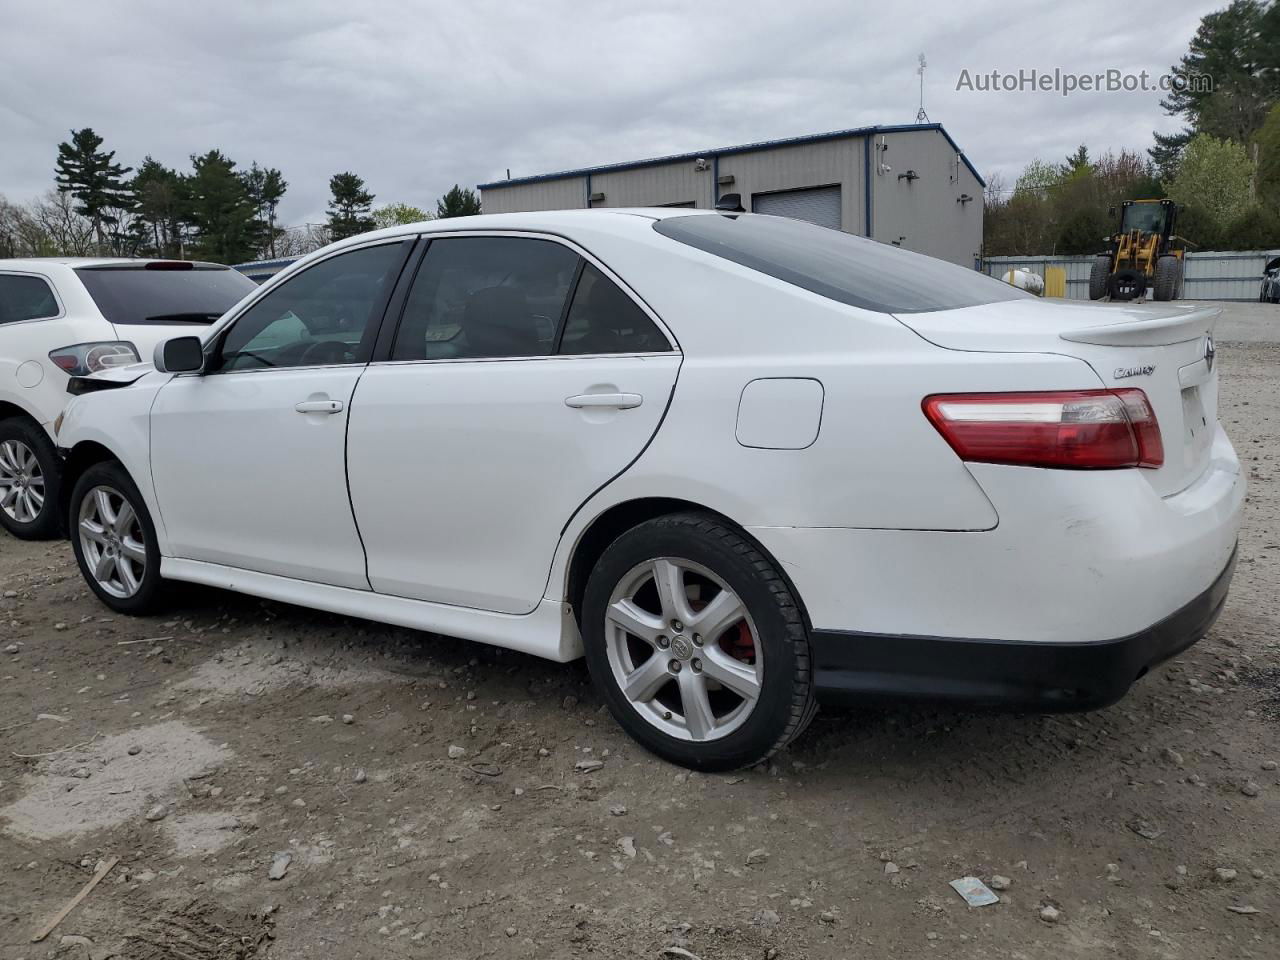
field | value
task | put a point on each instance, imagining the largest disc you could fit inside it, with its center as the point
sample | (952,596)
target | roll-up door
(820,205)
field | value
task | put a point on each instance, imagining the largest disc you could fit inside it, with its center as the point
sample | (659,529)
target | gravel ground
(423,796)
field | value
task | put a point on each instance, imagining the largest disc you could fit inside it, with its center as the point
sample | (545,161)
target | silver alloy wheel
(664,637)
(112,541)
(21,482)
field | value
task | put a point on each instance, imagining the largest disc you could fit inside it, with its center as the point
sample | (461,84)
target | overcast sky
(416,96)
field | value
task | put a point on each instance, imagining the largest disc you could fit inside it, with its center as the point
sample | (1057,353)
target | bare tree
(301,240)
(48,227)
(64,231)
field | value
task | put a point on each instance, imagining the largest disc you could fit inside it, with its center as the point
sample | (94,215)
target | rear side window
(848,269)
(478,297)
(603,319)
(164,293)
(25,298)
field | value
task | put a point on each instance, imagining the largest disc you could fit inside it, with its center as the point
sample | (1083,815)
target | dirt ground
(203,747)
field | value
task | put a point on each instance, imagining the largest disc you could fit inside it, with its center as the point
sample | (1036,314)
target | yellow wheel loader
(1144,256)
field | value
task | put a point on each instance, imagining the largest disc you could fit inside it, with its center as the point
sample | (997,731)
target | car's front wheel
(114,539)
(29,476)
(697,644)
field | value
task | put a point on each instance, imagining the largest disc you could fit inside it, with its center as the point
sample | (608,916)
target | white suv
(71,317)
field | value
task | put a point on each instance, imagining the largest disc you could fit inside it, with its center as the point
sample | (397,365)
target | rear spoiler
(1187,324)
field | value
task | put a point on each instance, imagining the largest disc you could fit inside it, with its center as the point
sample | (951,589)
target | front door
(248,458)
(522,379)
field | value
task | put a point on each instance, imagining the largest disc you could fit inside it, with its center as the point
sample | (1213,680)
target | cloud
(417,96)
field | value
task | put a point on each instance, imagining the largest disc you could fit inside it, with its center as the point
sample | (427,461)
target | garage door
(820,205)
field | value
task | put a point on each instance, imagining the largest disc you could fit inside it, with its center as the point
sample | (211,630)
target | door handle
(619,401)
(319,406)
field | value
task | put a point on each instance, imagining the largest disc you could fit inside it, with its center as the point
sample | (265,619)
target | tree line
(214,211)
(1223,167)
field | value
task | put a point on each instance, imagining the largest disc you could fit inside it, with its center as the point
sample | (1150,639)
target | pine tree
(349,209)
(274,186)
(91,176)
(1236,49)
(1077,162)
(161,198)
(458,203)
(265,187)
(221,210)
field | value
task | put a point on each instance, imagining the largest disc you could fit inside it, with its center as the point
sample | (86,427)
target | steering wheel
(326,351)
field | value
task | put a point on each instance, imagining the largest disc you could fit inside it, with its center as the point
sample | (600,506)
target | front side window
(848,269)
(25,298)
(482,297)
(325,315)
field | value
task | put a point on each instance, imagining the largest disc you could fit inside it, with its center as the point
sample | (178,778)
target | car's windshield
(849,269)
(173,293)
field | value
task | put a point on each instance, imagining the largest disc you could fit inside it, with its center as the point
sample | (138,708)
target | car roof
(613,219)
(18,263)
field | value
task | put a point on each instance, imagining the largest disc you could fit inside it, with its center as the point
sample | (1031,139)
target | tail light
(1073,429)
(82,359)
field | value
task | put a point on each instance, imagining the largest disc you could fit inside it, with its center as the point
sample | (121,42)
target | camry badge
(1143,371)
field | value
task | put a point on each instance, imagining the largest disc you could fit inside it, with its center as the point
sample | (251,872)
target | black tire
(1168,277)
(24,434)
(1124,285)
(785,704)
(111,475)
(1098,274)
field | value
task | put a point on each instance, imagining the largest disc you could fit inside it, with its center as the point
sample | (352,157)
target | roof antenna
(921,116)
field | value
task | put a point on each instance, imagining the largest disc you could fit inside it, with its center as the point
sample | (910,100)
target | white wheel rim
(21,482)
(112,542)
(676,637)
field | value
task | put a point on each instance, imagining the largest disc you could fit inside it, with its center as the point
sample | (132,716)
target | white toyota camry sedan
(740,463)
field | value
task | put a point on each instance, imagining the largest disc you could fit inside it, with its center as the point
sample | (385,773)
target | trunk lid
(1164,349)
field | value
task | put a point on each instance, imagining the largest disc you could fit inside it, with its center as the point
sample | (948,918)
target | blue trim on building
(260,270)
(263,264)
(866,180)
(743,148)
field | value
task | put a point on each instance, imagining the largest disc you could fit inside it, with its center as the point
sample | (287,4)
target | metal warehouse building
(908,185)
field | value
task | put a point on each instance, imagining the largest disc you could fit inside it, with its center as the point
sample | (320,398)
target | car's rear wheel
(114,539)
(29,479)
(697,644)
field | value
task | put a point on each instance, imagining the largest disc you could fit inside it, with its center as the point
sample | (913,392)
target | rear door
(522,378)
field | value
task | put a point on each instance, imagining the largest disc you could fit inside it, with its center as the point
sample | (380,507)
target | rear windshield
(137,293)
(853,270)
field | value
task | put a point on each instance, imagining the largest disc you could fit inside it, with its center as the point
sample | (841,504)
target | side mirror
(180,355)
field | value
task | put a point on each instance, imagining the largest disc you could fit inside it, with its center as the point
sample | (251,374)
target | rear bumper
(860,667)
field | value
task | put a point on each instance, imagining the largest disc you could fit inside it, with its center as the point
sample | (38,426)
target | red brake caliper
(739,643)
